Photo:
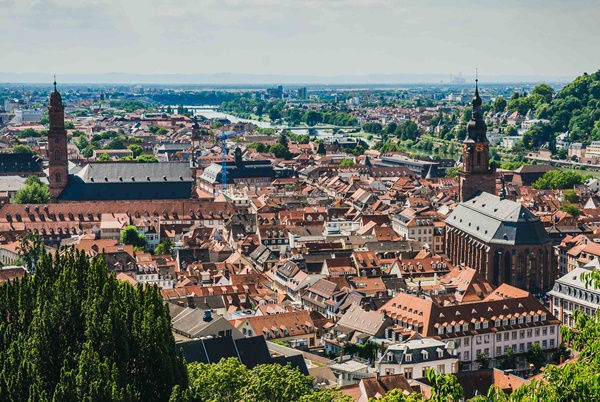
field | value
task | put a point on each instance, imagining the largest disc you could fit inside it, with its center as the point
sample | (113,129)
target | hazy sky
(310,37)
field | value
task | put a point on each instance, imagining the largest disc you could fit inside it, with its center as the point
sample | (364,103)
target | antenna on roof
(54,82)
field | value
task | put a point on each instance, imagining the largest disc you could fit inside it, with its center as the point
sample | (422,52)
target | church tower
(57,146)
(476,174)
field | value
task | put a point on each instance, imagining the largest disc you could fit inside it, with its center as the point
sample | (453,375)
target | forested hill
(576,109)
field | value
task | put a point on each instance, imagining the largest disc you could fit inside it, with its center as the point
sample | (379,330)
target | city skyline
(308,39)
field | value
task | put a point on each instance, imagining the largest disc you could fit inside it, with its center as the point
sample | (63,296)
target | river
(210,112)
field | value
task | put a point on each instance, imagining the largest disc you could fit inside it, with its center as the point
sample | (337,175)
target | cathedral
(499,238)
(108,181)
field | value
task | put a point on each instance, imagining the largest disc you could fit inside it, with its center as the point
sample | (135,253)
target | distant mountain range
(267,79)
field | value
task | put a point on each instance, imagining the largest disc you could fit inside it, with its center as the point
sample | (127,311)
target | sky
(307,37)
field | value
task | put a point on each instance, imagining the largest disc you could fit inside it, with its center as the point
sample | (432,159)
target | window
(537,332)
(57,154)
(513,321)
(521,347)
(486,339)
(514,335)
(520,320)
(408,357)
(390,357)
(544,331)
(477,325)
(57,177)
(408,373)
(504,323)
(497,323)
(441,368)
(478,340)
(466,355)
(440,331)
(551,330)
(529,333)
(498,350)
(543,317)
(551,343)
(486,352)
(466,341)
(545,344)
(389,371)
(465,327)
(528,345)
(528,319)
(485,324)
(506,336)
(498,337)
(424,371)
(522,334)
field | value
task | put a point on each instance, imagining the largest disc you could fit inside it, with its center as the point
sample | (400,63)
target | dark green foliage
(128,106)
(22,149)
(372,127)
(557,179)
(499,104)
(535,356)
(321,149)
(35,192)
(571,209)
(74,333)
(130,235)
(165,247)
(508,361)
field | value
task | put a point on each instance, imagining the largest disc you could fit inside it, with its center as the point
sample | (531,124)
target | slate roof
(20,163)
(249,351)
(493,220)
(249,169)
(423,350)
(130,181)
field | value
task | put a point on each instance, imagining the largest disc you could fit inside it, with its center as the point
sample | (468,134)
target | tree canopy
(130,235)
(78,334)
(34,192)
(558,179)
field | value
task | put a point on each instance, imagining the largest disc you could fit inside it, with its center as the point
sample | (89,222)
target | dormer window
(408,357)
(425,354)
(497,323)
(477,325)
(390,357)
(485,325)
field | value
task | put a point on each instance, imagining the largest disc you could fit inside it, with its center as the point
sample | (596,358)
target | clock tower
(57,146)
(476,174)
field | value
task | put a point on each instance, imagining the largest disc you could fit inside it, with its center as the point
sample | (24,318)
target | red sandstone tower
(476,174)
(57,146)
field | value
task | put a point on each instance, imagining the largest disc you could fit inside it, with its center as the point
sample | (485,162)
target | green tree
(136,149)
(397,395)
(79,334)
(146,158)
(511,130)
(453,172)
(34,192)
(104,157)
(571,196)
(499,104)
(273,382)
(280,151)
(445,388)
(321,149)
(484,361)
(130,235)
(535,356)
(347,162)
(509,360)
(165,247)
(221,382)
(326,395)
(391,128)
(571,209)
(557,179)
(22,149)
(544,91)
(31,250)
(561,354)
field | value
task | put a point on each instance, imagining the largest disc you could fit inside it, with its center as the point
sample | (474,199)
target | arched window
(57,154)
(57,177)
